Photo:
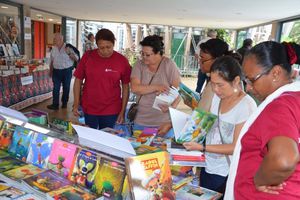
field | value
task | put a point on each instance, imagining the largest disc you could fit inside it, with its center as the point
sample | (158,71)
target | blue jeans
(100,121)
(169,134)
(61,77)
(213,181)
(201,80)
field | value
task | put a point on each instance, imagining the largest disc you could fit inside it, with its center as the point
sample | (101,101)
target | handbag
(131,114)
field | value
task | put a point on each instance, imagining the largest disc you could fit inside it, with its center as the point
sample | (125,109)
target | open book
(165,98)
(189,95)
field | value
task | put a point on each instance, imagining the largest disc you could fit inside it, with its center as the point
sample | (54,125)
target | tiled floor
(66,113)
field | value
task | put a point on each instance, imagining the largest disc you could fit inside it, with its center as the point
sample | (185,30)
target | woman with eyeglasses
(152,75)
(265,162)
(233,107)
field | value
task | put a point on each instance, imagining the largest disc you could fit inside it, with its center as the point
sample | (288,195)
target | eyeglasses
(204,61)
(251,81)
(146,55)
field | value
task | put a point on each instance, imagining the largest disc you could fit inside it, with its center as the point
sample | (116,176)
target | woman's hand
(164,107)
(164,128)
(120,119)
(75,111)
(192,146)
(270,189)
(162,89)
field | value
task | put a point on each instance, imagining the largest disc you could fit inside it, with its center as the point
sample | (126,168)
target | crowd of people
(254,151)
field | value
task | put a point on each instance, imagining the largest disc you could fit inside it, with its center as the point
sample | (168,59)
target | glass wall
(71,36)
(10,30)
(291,31)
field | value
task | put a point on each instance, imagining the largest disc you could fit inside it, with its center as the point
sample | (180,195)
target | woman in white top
(233,107)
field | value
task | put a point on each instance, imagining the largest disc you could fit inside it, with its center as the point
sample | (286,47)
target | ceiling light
(50,20)
(38,15)
(4,7)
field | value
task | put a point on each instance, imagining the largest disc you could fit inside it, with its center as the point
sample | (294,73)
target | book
(149,176)
(110,178)
(3,154)
(45,182)
(22,172)
(84,168)
(11,193)
(20,143)
(28,197)
(189,95)
(145,149)
(192,192)
(40,149)
(165,98)
(180,181)
(6,134)
(192,128)
(183,157)
(62,157)
(8,163)
(3,187)
(69,193)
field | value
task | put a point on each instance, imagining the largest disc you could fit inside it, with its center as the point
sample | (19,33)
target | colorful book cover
(3,154)
(70,193)
(6,135)
(197,126)
(189,95)
(145,149)
(150,177)
(40,149)
(110,178)
(62,157)
(192,192)
(3,187)
(23,172)
(28,197)
(85,168)
(11,193)
(47,181)
(9,163)
(126,190)
(20,143)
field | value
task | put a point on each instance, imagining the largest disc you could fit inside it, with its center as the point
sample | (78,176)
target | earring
(235,90)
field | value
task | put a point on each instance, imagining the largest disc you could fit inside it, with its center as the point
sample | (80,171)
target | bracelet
(204,147)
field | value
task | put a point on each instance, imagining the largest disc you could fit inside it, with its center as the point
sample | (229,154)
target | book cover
(11,193)
(6,135)
(29,197)
(70,193)
(23,172)
(62,157)
(85,168)
(8,163)
(46,181)
(40,149)
(110,178)
(3,187)
(189,95)
(192,192)
(3,154)
(196,128)
(20,143)
(149,176)
(165,98)
(145,149)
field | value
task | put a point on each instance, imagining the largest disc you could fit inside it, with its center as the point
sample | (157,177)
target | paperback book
(165,98)
(6,134)
(110,178)
(23,172)
(85,168)
(11,193)
(20,143)
(39,150)
(62,157)
(149,176)
(8,163)
(189,95)
(192,192)
(69,193)
(3,154)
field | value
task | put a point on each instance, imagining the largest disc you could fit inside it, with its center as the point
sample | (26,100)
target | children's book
(23,172)
(165,98)
(189,95)
(46,181)
(192,192)
(70,193)
(29,197)
(40,149)
(62,157)
(144,149)
(85,168)
(20,143)
(6,135)
(3,154)
(8,163)
(192,128)
(110,178)
(149,176)
(11,193)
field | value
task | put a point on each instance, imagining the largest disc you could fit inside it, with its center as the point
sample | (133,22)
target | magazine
(150,177)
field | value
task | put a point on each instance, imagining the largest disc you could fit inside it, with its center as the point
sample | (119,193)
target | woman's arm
(138,88)
(125,96)
(217,148)
(76,93)
(279,163)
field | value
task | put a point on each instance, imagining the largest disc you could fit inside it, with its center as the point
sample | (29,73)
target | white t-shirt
(217,163)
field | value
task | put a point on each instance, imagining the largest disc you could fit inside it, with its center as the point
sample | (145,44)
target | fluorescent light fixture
(4,7)
(38,15)
(50,20)
(36,128)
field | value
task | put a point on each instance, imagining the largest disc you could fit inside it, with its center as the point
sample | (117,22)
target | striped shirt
(60,58)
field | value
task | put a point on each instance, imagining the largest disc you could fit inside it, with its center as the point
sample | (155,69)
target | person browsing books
(106,77)
(233,107)
(265,162)
(154,74)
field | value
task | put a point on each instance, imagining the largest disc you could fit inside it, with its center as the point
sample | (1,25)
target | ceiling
(232,14)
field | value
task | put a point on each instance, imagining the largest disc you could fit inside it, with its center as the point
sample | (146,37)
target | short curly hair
(154,41)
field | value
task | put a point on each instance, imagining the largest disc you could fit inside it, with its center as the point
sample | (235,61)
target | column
(128,40)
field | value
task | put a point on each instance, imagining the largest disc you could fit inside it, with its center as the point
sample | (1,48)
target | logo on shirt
(110,70)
